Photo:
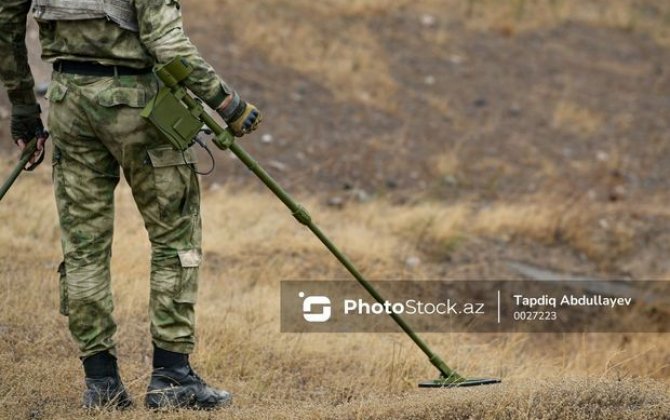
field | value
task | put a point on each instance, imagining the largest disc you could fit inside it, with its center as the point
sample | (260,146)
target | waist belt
(87,68)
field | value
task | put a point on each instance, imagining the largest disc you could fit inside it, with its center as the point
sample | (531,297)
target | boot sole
(171,400)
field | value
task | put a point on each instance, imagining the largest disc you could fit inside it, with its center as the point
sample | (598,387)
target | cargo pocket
(186,291)
(56,95)
(175,183)
(56,91)
(56,158)
(62,280)
(60,187)
(118,96)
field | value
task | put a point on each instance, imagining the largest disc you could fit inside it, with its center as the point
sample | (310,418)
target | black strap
(31,166)
(211,156)
(88,68)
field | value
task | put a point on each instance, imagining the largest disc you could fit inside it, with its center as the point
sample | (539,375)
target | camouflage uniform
(97,130)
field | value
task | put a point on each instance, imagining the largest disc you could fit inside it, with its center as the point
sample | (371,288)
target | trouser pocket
(62,283)
(174,289)
(177,278)
(175,183)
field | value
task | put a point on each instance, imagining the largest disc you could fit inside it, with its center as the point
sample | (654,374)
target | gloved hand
(25,125)
(241,117)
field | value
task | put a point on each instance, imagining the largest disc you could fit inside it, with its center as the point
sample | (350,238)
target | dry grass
(576,119)
(510,17)
(332,41)
(250,245)
(350,64)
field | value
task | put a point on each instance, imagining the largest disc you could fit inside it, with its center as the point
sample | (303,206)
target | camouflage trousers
(97,131)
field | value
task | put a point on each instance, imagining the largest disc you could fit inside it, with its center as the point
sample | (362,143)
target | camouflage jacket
(160,38)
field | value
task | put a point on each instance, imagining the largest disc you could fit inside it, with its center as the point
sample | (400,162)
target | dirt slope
(457,134)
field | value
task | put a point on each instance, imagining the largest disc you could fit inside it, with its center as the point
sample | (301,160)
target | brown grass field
(560,162)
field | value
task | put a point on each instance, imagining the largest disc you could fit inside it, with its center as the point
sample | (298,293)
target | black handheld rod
(23,161)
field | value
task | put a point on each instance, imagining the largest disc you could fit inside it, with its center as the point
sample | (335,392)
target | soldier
(102,55)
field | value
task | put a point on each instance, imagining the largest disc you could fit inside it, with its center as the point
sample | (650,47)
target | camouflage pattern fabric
(97,130)
(160,39)
(14,70)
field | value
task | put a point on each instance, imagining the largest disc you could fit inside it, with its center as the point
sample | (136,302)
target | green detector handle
(180,117)
(23,161)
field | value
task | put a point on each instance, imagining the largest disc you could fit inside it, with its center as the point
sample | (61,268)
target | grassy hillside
(458,135)
(251,244)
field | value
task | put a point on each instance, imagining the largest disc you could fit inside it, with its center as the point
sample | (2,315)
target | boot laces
(192,372)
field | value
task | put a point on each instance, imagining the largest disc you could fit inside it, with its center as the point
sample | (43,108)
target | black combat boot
(174,384)
(104,388)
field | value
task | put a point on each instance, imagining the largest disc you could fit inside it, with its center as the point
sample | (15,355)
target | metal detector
(23,161)
(179,116)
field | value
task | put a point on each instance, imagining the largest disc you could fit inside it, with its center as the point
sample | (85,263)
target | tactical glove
(241,117)
(26,122)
